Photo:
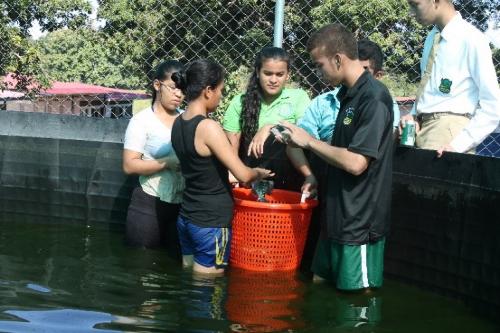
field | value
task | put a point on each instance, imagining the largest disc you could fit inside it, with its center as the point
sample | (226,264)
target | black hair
(198,75)
(371,51)
(163,71)
(332,39)
(252,99)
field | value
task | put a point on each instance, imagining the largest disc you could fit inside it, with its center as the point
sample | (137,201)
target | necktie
(428,67)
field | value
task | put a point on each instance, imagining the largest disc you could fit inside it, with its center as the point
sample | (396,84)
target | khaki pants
(439,129)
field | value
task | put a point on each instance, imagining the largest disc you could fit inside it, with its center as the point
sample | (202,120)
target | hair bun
(179,79)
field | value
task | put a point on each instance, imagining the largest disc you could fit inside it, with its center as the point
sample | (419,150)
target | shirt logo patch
(286,111)
(349,115)
(445,86)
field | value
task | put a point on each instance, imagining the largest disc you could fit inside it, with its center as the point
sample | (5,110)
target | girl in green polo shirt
(250,116)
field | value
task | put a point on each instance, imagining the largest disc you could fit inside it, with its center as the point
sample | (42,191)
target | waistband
(437,115)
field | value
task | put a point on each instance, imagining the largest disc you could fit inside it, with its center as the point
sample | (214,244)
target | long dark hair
(249,119)
(198,75)
(163,71)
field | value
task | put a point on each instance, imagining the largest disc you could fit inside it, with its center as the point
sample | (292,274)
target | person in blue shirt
(319,117)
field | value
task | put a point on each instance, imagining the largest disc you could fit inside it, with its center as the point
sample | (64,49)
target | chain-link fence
(94,57)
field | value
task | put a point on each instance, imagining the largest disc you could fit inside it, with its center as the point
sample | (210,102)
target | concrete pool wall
(445,221)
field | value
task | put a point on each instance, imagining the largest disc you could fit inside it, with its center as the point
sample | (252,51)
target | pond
(74,278)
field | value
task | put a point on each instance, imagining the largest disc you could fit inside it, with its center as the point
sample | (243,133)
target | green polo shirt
(289,106)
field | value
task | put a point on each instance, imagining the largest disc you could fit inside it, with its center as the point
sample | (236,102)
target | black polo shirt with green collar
(358,207)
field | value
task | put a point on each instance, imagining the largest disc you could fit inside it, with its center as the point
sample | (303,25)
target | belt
(436,115)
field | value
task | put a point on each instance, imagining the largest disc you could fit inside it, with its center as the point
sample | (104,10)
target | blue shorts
(209,246)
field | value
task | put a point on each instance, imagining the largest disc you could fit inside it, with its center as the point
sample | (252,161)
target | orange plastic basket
(269,236)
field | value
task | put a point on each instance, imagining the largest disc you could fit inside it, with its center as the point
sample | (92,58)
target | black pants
(152,223)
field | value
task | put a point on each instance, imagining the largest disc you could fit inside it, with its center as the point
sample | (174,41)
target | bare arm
(299,161)
(134,164)
(234,140)
(212,140)
(256,146)
(341,158)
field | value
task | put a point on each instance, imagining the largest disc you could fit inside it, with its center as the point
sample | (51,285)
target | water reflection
(56,321)
(342,312)
(38,288)
(264,302)
(365,313)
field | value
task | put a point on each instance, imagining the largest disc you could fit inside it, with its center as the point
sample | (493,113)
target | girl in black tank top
(205,156)
(207,182)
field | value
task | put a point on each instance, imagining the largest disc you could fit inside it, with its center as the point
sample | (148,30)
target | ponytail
(180,81)
(198,75)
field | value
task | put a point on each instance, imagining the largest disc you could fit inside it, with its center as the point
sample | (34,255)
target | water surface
(73,278)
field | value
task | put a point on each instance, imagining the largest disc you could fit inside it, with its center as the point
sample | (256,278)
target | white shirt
(147,135)
(464,65)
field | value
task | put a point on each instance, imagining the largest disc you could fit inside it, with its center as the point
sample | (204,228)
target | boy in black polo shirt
(358,200)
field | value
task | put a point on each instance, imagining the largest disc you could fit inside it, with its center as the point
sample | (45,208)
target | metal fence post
(278,23)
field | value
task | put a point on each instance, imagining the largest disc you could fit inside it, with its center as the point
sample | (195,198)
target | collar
(285,94)
(330,95)
(452,28)
(351,92)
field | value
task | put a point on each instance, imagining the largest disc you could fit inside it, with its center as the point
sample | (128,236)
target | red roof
(11,82)
(77,88)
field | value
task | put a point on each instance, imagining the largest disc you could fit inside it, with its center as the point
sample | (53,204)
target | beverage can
(408,136)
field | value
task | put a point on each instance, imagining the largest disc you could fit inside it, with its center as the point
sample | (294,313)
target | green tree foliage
(10,44)
(87,56)
(139,33)
(480,11)
(386,22)
(227,31)
(496,60)
(51,14)
(18,54)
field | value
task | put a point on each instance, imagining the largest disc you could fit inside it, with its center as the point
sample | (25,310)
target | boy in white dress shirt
(457,103)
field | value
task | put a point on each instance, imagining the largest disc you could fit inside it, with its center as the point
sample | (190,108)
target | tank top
(207,200)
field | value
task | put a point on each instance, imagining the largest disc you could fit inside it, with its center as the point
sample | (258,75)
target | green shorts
(350,267)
